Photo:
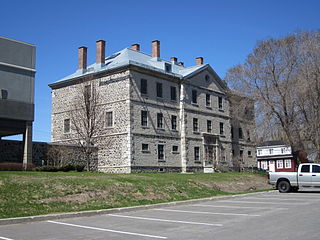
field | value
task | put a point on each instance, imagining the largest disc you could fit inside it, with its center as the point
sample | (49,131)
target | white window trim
(112,126)
(279,164)
(287,161)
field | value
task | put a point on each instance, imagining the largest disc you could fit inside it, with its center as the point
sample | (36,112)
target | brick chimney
(174,60)
(100,52)
(199,60)
(155,48)
(135,47)
(181,64)
(82,59)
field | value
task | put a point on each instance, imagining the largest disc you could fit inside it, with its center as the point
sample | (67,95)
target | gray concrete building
(159,115)
(17,72)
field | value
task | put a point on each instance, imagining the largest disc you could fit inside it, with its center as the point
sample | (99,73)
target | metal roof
(128,56)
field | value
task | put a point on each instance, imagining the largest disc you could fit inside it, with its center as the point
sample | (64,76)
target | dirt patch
(254,182)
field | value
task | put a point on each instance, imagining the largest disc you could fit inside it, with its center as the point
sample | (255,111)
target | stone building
(17,72)
(159,116)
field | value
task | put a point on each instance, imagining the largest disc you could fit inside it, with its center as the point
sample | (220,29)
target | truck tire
(284,186)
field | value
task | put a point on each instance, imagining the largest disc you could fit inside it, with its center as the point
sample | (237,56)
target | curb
(8,221)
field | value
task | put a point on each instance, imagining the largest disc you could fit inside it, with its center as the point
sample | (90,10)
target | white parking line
(231,201)
(272,198)
(213,213)
(222,206)
(166,220)
(107,230)
(4,238)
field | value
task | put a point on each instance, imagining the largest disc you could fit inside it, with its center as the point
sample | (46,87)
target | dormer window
(168,67)
(207,77)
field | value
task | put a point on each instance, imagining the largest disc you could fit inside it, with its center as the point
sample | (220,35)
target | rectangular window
(259,152)
(196,153)
(315,169)
(279,163)
(220,103)
(270,151)
(87,92)
(241,153)
(209,126)
(144,86)
(109,119)
(195,125)
(159,120)
(208,100)
(240,133)
(175,149)
(145,147)
(305,168)
(287,163)
(194,96)
(264,165)
(159,90)
(161,152)
(67,124)
(4,94)
(144,118)
(221,128)
(173,93)
(248,136)
(173,122)
(249,153)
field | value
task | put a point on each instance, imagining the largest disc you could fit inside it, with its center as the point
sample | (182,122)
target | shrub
(47,169)
(14,166)
(79,167)
(67,168)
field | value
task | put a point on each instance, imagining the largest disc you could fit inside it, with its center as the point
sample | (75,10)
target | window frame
(221,128)
(209,126)
(220,103)
(196,154)
(280,164)
(163,152)
(208,100)
(144,118)
(173,93)
(143,86)
(160,124)
(174,122)
(68,126)
(195,125)
(194,96)
(287,163)
(147,150)
(159,90)
(107,120)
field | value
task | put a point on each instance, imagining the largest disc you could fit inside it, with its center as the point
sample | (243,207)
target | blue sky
(223,32)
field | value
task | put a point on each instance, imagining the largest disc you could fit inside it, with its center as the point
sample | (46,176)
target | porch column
(27,145)
(183,130)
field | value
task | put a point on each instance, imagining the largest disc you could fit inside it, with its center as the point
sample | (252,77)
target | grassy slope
(35,193)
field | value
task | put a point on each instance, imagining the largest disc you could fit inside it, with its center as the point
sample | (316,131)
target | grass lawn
(36,193)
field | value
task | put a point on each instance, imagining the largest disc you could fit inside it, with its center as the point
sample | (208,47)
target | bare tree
(282,76)
(87,118)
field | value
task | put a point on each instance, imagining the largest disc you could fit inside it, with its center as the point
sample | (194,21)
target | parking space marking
(4,238)
(273,198)
(211,213)
(167,220)
(222,206)
(231,201)
(107,230)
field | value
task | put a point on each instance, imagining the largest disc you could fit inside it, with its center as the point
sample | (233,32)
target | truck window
(305,168)
(315,169)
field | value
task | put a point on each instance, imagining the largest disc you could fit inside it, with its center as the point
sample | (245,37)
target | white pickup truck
(308,176)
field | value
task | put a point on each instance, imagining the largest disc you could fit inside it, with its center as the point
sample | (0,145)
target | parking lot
(268,215)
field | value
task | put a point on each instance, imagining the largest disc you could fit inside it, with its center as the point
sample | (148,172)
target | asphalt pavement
(268,215)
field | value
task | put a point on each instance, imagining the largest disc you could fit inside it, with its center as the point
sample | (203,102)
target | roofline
(32,45)
(207,66)
(272,146)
